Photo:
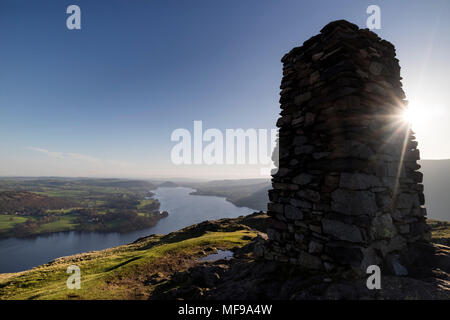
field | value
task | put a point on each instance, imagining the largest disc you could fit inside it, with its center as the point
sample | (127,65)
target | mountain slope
(130,271)
(250,193)
(436,179)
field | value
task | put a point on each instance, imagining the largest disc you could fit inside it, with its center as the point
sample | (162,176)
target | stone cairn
(347,193)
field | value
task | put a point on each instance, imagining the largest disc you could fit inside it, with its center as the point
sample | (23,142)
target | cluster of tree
(119,221)
(151,207)
(25,229)
(123,202)
(29,203)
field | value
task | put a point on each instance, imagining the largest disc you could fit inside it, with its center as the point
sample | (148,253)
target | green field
(9,221)
(64,223)
(46,205)
(145,202)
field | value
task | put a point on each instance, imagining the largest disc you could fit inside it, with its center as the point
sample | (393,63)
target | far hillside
(252,193)
(437,188)
(29,202)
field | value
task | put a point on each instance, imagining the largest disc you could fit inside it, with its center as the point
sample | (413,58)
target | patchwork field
(32,206)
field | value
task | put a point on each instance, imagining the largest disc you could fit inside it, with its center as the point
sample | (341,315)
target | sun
(415,114)
(411,116)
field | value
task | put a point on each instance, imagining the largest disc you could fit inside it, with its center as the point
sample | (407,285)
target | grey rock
(310,261)
(303,179)
(342,231)
(358,181)
(382,227)
(302,98)
(315,247)
(309,194)
(293,213)
(375,68)
(273,234)
(301,204)
(353,202)
(407,201)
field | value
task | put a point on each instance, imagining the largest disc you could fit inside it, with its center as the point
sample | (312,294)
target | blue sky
(103,100)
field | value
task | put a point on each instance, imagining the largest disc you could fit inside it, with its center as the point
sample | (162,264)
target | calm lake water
(184,210)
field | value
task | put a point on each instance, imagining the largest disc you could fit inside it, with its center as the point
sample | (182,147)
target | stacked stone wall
(348,192)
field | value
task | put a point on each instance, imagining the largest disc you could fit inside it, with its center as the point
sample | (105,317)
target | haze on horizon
(103,101)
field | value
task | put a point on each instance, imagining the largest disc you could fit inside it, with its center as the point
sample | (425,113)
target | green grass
(61,211)
(117,273)
(440,231)
(145,202)
(64,223)
(9,221)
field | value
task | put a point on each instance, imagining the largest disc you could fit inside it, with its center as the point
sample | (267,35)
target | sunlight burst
(413,115)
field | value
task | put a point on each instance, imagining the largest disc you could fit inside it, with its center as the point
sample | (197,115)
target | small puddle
(221,254)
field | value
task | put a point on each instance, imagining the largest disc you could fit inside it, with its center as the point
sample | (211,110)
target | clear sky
(104,100)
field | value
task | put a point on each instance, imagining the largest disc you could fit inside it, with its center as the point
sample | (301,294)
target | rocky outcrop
(347,193)
(244,278)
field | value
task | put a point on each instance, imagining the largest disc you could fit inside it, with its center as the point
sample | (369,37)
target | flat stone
(407,201)
(342,231)
(309,118)
(315,228)
(352,149)
(315,247)
(310,261)
(314,77)
(320,155)
(382,227)
(299,237)
(353,202)
(317,56)
(300,140)
(305,149)
(293,213)
(275,207)
(302,98)
(273,234)
(301,204)
(309,194)
(404,228)
(358,181)
(375,68)
(303,179)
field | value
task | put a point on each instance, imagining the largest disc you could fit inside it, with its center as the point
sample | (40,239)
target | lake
(184,210)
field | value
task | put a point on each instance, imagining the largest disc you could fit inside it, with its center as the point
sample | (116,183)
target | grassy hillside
(440,231)
(251,193)
(131,271)
(147,268)
(436,179)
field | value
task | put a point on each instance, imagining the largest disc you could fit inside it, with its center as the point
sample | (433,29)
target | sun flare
(416,114)
(411,116)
